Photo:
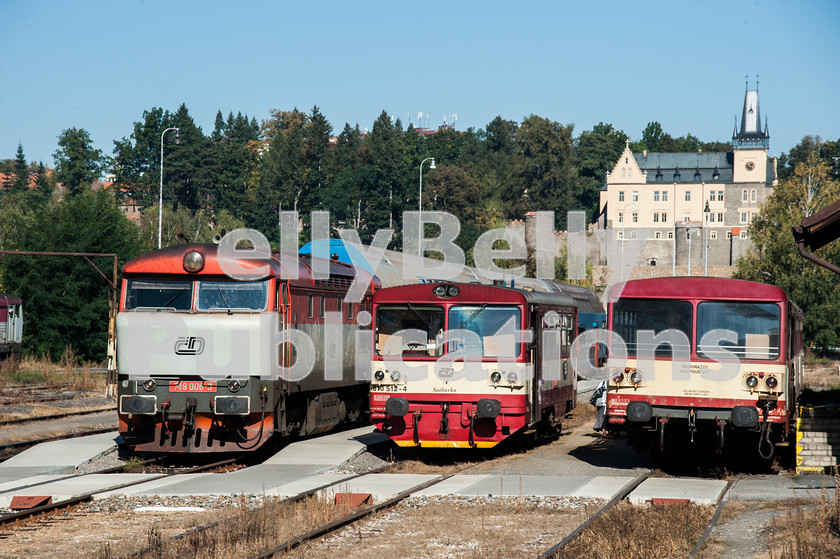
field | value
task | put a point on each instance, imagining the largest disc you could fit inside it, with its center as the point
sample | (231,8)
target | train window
(495,325)
(323,306)
(349,311)
(232,295)
(338,305)
(158,294)
(415,329)
(311,308)
(632,315)
(757,326)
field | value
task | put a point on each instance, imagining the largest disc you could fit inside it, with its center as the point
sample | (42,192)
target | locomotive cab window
(158,294)
(409,330)
(232,295)
(757,326)
(632,315)
(495,327)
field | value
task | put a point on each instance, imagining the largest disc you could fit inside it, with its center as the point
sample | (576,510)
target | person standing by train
(599,400)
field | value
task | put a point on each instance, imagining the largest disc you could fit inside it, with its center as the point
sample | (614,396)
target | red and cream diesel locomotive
(203,358)
(465,366)
(731,365)
(11,326)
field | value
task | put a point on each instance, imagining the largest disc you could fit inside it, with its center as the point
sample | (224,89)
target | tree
(774,258)
(136,161)
(20,183)
(597,151)
(77,163)
(66,298)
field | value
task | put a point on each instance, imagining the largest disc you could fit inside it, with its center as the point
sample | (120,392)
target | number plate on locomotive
(192,386)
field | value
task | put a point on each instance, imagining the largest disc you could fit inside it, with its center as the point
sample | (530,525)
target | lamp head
(432,166)
(177,137)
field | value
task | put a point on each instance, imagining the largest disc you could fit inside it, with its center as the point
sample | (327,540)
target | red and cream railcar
(467,365)
(705,357)
(207,364)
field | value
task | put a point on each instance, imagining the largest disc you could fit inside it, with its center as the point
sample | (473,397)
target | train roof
(7,299)
(477,292)
(689,287)
(170,260)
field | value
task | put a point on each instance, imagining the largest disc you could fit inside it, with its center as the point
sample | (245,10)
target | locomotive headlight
(618,377)
(234,386)
(379,375)
(636,377)
(439,291)
(193,261)
(396,376)
(771,382)
(495,376)
(149,385)
(752,381)
(453,291)
(512,377)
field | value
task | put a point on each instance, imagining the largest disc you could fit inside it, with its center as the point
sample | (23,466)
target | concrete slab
(59,457)
(601,487)
(22,480)
(305,484)
(456,485)
(381,486)
(328,450)
(150,487)
(698,491)
(73,486)
(780,487)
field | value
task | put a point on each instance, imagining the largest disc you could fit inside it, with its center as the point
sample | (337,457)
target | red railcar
(466,366)
(706,358)
(207,362)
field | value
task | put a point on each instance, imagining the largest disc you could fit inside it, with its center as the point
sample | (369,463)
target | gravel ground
(746,535)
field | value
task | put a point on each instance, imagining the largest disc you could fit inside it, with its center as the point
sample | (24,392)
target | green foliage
(65,298)
(77,163)
(774,258)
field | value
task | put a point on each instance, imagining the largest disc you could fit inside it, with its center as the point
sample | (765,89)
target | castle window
(620,195)
(744,195)
(635,196)
(688,196)
(664,217)
(659,174)
(655,195)
(743,217)
(677,175)
(716,174)
(713,235)
(697,175)
(655,217)
(712,196)
(664,195)
(728,235)
(720,218)
(743,234)
(657,235)
(635,217)
(670,234)
(620,217)
(720,195)
(752,195)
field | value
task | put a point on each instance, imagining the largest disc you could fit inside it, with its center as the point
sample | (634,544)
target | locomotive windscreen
(158,294)
(496,327)
(632,315)
(756,325)
(408,329)
(232,295)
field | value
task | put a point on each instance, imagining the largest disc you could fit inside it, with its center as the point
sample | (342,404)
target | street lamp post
(420,206)
(160,196)
(706,214)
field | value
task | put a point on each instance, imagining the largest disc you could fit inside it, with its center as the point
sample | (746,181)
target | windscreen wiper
(473,315)
(423,318)
(174,297)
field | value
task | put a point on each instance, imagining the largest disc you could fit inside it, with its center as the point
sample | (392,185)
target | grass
(66,373)
(808,531)
(632,532)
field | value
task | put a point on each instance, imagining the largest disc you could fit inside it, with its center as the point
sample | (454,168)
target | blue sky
(99,64)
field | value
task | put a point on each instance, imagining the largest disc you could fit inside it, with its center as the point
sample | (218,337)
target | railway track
(56,416)
(21,515)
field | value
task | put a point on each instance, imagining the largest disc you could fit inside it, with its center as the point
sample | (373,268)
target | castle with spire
(687,212)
